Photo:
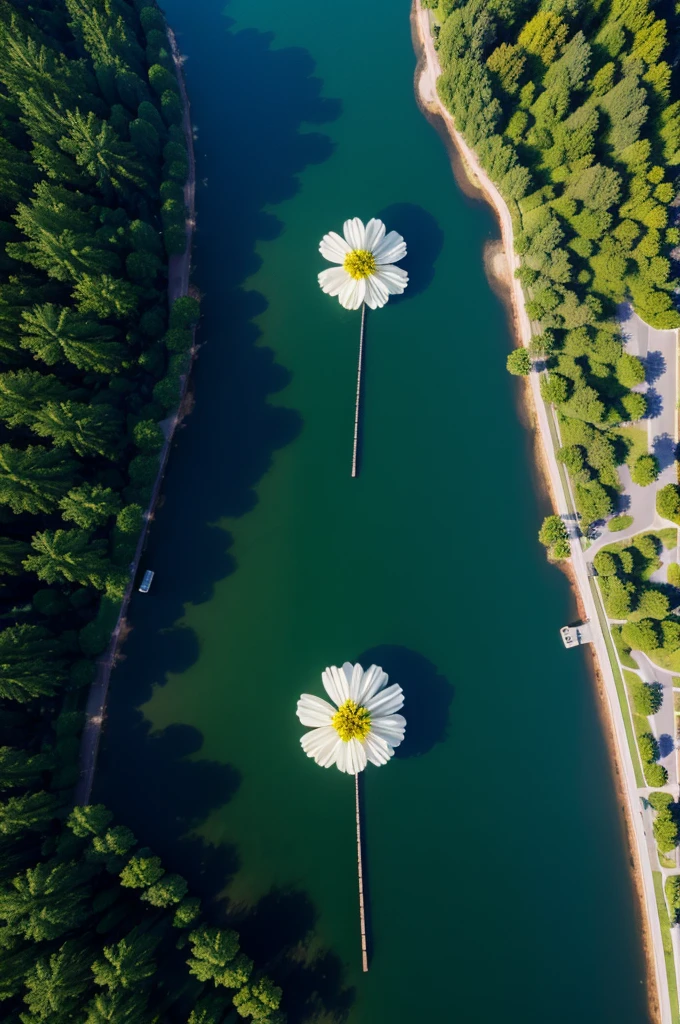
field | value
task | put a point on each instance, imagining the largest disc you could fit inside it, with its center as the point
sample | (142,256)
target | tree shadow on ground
(666,744)
(655,366)
(424,240)
(664,447)
(427,696)
(254,102)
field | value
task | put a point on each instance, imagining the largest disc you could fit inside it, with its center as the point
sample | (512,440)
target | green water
(499,886)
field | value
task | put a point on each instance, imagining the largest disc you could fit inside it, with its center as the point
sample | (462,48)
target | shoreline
(501,261)
(179,270)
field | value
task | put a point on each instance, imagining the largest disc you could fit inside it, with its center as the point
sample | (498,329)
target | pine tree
(60,334)
(90,505)
(11,554)
(33,479)
(31,663)
(120,1007)
(69,555)
(112,164)
(46,901)
(87,429)
(59,230)
(128,963)
(24,392)
(56,985)
(20,769)
(30,812)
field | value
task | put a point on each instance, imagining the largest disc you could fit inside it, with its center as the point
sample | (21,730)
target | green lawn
(664,659)
(667,945)
(624,652)
(620,689)
(640,722)
(635,439)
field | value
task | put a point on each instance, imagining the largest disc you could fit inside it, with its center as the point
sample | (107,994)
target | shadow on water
(427,696)
(424,240)
(254,102)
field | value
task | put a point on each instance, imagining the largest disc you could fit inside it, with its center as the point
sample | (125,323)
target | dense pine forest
(573,109)
(93,161)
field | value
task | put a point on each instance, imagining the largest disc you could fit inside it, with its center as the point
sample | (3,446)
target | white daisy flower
(360,725)
(367,272)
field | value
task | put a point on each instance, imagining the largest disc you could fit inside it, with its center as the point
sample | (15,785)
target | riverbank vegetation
(93,161)
(569,108)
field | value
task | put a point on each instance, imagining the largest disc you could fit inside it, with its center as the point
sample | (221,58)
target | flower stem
(362,909)
(357,407)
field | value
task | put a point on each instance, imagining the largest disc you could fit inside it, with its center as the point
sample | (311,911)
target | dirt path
(179,269)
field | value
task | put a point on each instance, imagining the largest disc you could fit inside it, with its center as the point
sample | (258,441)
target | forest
(93,161)
(569,106)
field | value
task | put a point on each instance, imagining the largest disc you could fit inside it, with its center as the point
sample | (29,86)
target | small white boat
(145,585)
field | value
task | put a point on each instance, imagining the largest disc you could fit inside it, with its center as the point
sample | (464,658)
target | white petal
(377,292)
(335,685)
(342,756)
(391,248)
(332,280)
(356,757)
(386,701)
(374,679)
(375,232)
(394,278)
(390,728)
(354,675)
(333,247)
(352,293)
(355,233)
(377,749)
(323,745)
(314,711)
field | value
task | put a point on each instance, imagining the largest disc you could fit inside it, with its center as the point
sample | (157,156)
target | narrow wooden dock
(357,407)
(360,869)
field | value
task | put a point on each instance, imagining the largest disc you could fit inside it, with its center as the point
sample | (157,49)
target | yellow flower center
(351,721)
(359,263)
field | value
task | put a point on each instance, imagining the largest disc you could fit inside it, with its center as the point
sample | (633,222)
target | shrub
(178,339)
(605,563)
(552,531)
(143,468)
(668,502)
(185,312)
(519,362)
(634,405)
(630,370)
(641,636)
(665,830)
(554,389)
(653,603)
(670,631)
(50,602)
(649,747)
(674,574)
(620,523)
(660,801)
(148,436)
(81,673)
(645,470)
(655,774)
(167,391)
(648,698)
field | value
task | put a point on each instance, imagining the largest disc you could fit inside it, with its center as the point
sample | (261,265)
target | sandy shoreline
(501,261)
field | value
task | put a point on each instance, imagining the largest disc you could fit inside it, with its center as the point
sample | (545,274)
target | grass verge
(667,945)
(620,688)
